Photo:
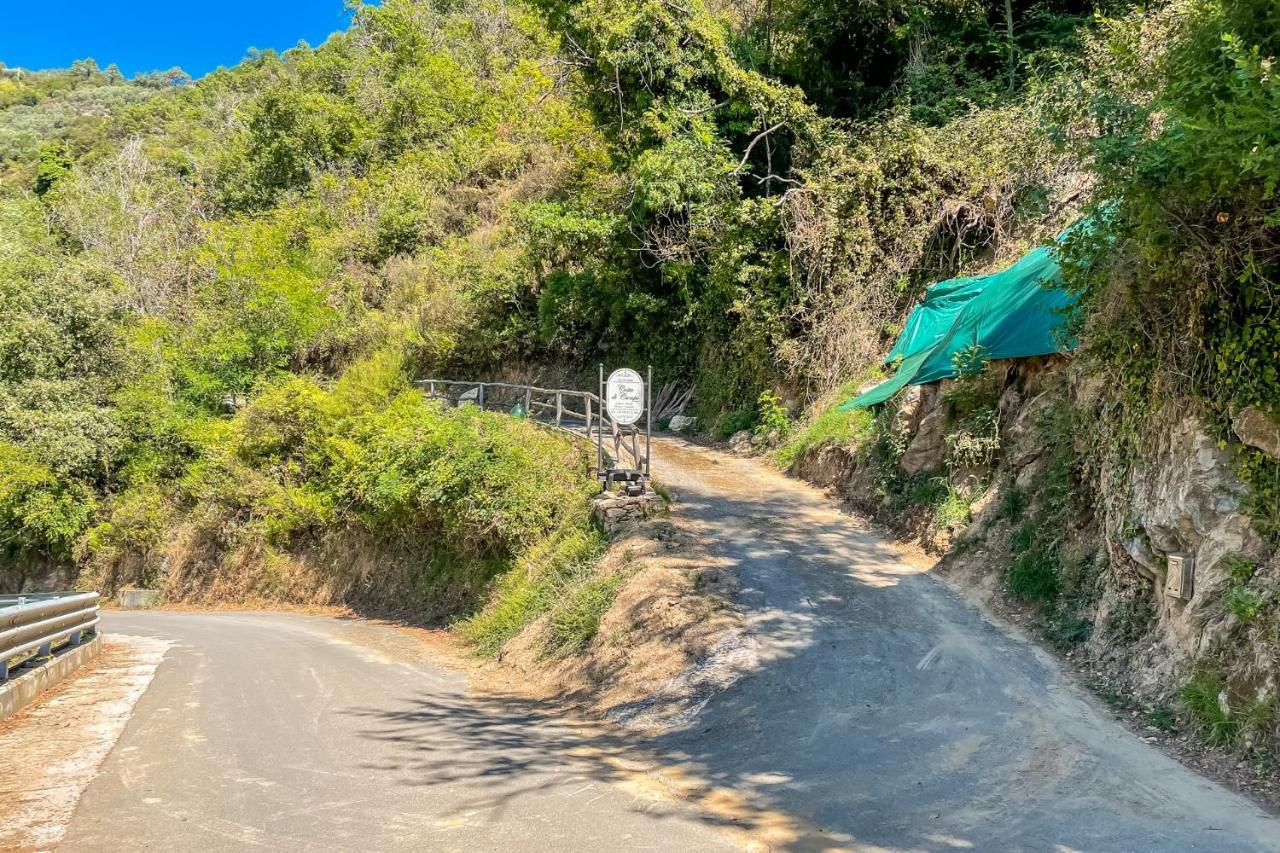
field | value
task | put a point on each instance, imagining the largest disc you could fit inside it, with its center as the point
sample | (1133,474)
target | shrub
(952,513)
(1131,618)
(975,440)
(1224,720)
(1012,502)
(1243,603)
(1065,632)
(771,415)
(1033,576)
(736,421)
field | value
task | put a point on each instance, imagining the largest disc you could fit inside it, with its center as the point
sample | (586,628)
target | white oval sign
(624,396)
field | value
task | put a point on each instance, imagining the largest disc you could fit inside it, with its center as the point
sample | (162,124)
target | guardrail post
(528,402)
(76,638)
(480,395)
(559,406)
(4,670)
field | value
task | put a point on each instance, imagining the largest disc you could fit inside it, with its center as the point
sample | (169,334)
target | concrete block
(25,685)
(139,599)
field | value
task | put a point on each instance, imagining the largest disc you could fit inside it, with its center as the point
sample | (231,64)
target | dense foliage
(1182,126)
(180,292)
(212,292)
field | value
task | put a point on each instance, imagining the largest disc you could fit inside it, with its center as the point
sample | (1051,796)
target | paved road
(297,733)
(883,713)
(889,714)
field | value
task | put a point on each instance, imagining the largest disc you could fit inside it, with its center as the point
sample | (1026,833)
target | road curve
(889,713)
(882,713)
(304,733)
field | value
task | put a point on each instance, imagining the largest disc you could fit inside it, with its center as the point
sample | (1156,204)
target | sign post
(626,400)
(648,423)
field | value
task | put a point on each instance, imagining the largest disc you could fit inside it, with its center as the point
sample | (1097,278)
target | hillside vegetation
(214,293)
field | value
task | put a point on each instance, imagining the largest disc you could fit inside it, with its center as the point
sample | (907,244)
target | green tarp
(1015,313)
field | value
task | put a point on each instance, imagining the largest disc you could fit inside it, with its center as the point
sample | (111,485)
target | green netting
(1015,313)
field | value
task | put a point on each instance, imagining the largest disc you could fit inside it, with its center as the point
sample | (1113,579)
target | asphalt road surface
(303,733)
(882,712)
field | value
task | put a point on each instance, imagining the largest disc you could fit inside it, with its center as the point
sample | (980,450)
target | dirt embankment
(661,647)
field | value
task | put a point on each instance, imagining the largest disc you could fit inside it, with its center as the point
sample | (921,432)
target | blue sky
(147,35)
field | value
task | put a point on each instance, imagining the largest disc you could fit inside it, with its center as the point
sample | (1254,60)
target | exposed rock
(682,423)
(39,578)
(740,442)
(770,439)
(917,399)
(1018,417)
(1187,498)
(1183,495)
(1258,429)
(928,448)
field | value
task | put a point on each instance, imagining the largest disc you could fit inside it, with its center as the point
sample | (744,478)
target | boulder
(764,440)
(682,423)
(1258,429)
(916,400)
(1021,445)
(740,442)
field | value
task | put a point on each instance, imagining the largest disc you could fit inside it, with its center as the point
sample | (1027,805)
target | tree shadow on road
(879,712)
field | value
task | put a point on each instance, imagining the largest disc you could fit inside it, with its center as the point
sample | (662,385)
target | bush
(41,514)
(1033,576)
(975,440)
(1179,122)
(952,512)
(1224,720)
(772,416)
(1244,604)
(737,421)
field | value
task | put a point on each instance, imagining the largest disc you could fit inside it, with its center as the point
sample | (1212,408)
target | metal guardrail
(33,625)
(615,443)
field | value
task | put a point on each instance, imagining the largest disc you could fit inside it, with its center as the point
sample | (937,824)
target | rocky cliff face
(1080,547)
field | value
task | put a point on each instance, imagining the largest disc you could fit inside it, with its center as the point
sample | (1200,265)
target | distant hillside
(64,108)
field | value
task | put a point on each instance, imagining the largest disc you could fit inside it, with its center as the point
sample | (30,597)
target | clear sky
(149,35)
